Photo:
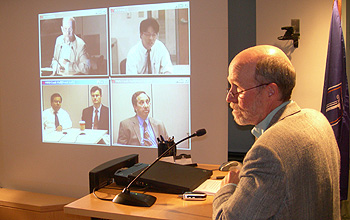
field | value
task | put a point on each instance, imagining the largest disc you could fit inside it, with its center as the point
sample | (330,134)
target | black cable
(100,187)
(93,192)
(106,186)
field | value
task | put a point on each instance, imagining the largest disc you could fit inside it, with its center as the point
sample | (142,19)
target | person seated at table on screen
(141,130)
(70,55)
(97,115)
(149,55)
(56,118)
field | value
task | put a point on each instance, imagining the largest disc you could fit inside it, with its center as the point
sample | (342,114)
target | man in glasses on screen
(141,130)
(70,56)
(56,118)
(149,56)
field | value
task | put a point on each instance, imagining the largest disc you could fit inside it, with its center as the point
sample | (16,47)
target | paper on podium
(209,187)
(181,159)
(169,159)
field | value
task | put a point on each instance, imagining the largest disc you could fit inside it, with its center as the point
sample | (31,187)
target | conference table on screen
(46,71)
(75,135)
(167,206)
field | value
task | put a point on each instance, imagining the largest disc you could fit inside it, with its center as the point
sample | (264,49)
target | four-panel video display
(117,76)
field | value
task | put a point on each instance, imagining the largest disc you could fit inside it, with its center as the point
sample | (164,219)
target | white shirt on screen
(136,61)
(49,119)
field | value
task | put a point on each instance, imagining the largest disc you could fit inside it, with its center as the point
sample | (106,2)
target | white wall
(309,59)
(62,169)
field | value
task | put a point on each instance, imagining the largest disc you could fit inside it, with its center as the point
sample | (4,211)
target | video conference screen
(117,76)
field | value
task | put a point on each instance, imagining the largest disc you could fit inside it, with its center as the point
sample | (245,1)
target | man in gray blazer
(292,170)
(141,130)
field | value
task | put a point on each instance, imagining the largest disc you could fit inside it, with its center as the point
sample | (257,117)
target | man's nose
(230,98)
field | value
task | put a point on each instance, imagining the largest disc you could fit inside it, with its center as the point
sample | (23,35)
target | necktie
(146,137)
(57,123)
(96,119)
(149,66)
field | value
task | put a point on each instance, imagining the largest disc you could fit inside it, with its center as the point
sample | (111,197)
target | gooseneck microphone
(139,199)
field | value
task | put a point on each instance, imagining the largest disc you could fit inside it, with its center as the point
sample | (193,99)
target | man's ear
(272,89)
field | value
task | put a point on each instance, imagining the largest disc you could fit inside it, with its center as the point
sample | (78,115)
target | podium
(167,206)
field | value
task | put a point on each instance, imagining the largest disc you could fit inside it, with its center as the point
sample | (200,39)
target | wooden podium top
(167,206)
(32,201)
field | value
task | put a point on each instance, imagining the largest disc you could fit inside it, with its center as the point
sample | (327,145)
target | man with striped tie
(141,130)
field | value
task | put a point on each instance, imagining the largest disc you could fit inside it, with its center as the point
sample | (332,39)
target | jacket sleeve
(260,192)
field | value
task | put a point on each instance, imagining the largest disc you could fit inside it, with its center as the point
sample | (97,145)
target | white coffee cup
(82,125)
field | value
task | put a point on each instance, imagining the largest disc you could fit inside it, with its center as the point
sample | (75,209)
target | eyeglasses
(241,92)
(67,30)
(148,34)
(57,102)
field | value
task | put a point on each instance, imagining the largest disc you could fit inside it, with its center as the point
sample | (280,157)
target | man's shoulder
(104,107)
(62,111)
(159,45)
(59,39)
(155,121)
(48,110)
(128,120)
(135,49)
(315,117)
(88,109)
(311,112)
(79,40)
(306,115)
(297,123)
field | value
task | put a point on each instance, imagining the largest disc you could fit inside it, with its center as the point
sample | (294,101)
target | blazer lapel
(288,110)
(136,127)
(155,128)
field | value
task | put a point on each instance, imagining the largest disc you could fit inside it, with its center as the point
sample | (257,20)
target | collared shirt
(260,128)
(48,118)
(149,130)
(136,61)
(66,50)
(66,54)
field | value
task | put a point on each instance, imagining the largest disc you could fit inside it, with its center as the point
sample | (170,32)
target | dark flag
(335,101)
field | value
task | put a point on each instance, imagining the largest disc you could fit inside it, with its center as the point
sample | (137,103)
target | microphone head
(200,132)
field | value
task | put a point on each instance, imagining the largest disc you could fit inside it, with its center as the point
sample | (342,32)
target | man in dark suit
(97,115)
(292,169)
(141,130)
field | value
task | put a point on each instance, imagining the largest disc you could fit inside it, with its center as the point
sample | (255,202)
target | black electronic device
(139,199)
(164,177)
(104,173)
(230,165)
(122,176)
(194,196)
